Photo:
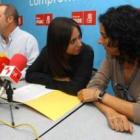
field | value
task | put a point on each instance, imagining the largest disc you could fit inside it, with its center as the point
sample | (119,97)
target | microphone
(3,61)
(19,61)
(11,73)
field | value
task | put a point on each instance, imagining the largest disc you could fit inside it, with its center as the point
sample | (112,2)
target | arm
(128,109)
(115,109)
(111,106)
(37,73)
(119,105)
(100,81)
(32,51)
(102,76)
(116,121)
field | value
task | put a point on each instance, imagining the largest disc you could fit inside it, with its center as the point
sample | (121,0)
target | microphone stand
(9,92)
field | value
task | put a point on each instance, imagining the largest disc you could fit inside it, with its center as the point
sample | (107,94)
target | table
(86,123)
(22,115)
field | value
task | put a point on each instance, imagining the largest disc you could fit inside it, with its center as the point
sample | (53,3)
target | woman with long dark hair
(65,63)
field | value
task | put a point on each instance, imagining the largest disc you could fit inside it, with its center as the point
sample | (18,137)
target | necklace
(132,77)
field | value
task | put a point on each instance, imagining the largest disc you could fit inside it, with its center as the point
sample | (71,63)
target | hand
(62,79)
(88,95)
(118,122)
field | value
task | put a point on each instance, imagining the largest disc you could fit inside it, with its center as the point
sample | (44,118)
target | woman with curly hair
(120,36)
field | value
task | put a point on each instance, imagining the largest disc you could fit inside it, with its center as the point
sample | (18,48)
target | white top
(20,42)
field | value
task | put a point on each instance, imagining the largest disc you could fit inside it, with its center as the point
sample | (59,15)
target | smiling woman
(120,36)
(65,63)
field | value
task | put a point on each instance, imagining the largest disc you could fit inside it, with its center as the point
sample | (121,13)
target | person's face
(75,44)
(3,21)
(104,40)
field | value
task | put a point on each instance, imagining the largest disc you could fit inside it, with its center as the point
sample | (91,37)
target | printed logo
(90,18)
(78,17)
(15,75)
(20,21)
(47,19)
(7,70)
(85,17)
(40,19)
(44,19)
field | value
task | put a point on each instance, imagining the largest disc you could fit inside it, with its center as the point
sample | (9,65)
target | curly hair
(122,25)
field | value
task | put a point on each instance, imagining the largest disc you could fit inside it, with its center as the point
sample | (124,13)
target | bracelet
(101,95)
(94,97)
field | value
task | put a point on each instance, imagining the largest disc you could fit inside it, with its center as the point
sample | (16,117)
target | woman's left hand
(118,122)
(88,95)
(62,79)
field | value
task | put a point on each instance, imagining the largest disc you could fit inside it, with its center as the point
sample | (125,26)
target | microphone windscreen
(3,61)
(19,61)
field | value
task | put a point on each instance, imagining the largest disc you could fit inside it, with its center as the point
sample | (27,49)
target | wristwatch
(101,95)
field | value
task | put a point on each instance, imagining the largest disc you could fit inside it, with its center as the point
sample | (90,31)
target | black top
(80,75)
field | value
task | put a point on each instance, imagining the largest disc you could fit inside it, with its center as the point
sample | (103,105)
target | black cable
(12,117)
(60,121)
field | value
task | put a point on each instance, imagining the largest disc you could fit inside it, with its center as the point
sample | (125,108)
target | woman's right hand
(118,122)
(88,95)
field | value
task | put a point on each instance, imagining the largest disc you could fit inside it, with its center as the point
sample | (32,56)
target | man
(13,40)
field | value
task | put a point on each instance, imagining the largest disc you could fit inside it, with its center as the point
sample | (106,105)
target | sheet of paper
(29,92)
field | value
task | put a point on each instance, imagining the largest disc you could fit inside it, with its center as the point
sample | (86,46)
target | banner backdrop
(35,16)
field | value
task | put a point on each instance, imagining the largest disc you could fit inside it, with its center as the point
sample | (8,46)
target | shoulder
(111,58)
(110,61)
(43,50)
(26,34)
(1,38)
(42,53)
(86,53)
(86,49)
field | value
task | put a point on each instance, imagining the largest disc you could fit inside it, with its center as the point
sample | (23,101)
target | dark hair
(122,26)
(58,39)
(11,11)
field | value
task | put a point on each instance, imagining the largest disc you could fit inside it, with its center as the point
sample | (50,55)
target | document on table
(51,103)
(29,92)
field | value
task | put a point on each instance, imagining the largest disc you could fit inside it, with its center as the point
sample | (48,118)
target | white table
(86,123)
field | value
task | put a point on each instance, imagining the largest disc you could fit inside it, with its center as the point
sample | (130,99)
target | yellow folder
(54,105)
